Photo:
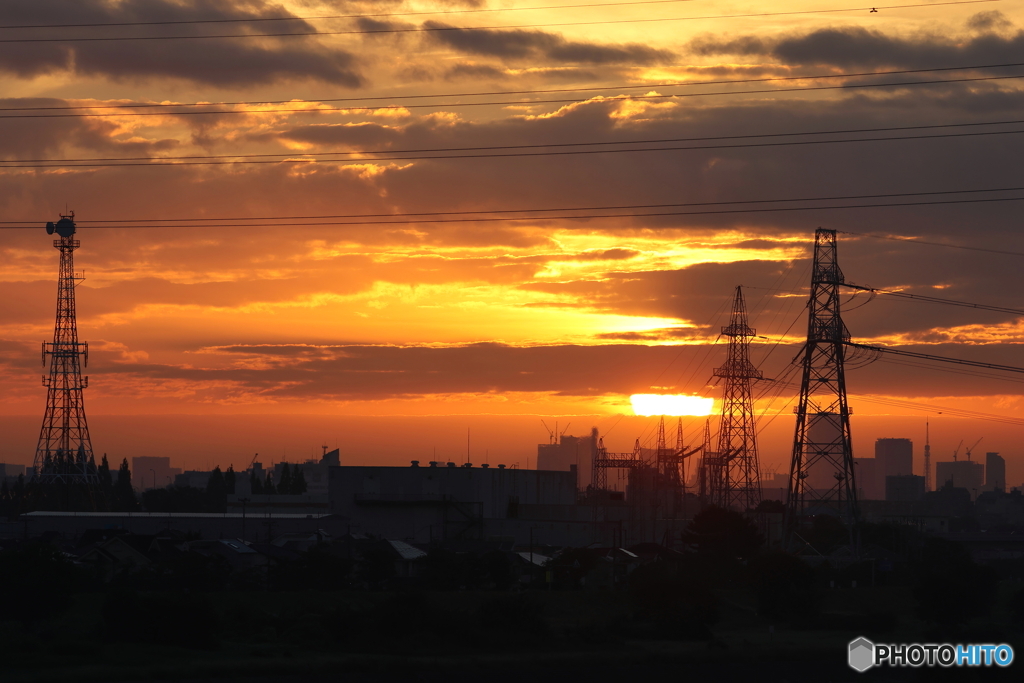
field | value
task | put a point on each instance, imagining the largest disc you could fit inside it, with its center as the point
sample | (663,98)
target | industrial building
(446,501)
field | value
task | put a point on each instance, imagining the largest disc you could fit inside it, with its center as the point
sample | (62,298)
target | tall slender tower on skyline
(734,478)
(64,452)
(927,459)
(821,472)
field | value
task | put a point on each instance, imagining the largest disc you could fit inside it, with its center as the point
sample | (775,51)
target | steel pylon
(734,474)
(64,452)
(821,478)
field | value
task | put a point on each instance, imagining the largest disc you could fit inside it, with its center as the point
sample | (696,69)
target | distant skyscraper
(963,474)
(895,456)
(869,482)
(569,451)
(995,471)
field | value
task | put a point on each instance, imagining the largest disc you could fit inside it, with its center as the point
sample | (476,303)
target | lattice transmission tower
(821,476)
(671,470)
(64,452)
(734,474)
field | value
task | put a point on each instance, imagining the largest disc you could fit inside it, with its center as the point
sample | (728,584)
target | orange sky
(313,326)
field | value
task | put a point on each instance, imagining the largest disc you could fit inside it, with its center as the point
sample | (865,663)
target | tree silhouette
(284,484)
(254,483)
(298,481)
(229,480)
(124,494)
(723,532)
(217,490)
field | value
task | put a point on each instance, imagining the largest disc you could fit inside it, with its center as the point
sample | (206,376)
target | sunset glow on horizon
(671,405)
(512,225)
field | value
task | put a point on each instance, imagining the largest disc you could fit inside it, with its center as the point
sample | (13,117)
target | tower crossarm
(623,460)
(684,453)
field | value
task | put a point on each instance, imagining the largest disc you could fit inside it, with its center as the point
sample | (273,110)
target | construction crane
(956,451)
(554,436)
(968,451)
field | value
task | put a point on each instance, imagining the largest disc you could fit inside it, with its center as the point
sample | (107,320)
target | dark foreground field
(475,636)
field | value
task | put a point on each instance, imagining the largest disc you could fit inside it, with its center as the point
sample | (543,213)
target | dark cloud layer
(27,138)
(221,62)
(516,44)
(355,372)
(854,46)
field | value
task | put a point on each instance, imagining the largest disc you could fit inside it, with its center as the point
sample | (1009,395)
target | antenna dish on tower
(65,226)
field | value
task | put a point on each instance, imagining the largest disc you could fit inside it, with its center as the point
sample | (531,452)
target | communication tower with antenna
(64,452)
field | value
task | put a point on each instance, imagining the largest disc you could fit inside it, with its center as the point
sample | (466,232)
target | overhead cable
(152,162)
(596,88)
(446,105)
(572,217)
(914,240)
(611,207)
(324,17)
(444,28)
(304,156)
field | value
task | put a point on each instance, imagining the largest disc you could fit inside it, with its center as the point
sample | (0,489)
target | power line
(914,405)
(956,412)
(153,162)
(442,28)
(676,84)
(937,300)
(931,244)
(307,155)
(955,371)
(941,359)
(623,207)
(566,217)
(348,110)
(253,20)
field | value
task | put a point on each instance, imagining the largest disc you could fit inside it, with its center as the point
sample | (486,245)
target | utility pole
(64,452)
(821,472)
(735,480)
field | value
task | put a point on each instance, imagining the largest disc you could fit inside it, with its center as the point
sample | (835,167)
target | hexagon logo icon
(862,654)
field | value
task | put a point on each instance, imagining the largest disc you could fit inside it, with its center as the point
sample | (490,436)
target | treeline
(219,486)
(293,482)
(113,492)
(174,498)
